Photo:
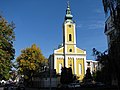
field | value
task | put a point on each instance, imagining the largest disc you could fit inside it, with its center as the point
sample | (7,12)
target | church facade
(69,55)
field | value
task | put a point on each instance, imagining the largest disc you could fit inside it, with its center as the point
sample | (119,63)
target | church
(68,54)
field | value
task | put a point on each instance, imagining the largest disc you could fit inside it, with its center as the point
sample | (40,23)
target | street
(100,88)
(1,88)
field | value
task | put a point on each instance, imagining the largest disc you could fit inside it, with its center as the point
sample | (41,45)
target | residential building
(111,34)
(109,31)
(92,65)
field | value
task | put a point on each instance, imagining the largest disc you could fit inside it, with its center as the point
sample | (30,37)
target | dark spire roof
(68,12)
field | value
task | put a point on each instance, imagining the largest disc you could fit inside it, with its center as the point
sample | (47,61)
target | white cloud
(99,11)
(96,25)
(92,25)
(79,26)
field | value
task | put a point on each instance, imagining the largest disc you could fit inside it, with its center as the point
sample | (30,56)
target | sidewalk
(1,88)
(39,89)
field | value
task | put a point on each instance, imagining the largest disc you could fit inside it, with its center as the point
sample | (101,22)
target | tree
(31,61)
(104,74)
(88,77)
(7,50)
(66,75)
(113,6)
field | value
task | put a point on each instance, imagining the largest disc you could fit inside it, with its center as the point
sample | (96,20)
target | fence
(46,83)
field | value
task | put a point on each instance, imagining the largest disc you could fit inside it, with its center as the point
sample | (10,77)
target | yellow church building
(69,55)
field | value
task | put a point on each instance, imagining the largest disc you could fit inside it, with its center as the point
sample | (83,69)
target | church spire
(68,15)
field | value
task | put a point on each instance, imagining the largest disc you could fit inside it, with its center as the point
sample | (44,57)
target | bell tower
(69,34)
(69,55)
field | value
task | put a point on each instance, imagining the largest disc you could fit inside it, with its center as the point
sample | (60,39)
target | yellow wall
(60,50)
(70,47)
(71,64)
(80,61)
(80,51)
(59,61)
(70,30)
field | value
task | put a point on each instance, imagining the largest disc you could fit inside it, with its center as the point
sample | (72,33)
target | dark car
(74,85)
(88,84)
(9,87)
(20,86)
(62,87)
(99,84)
(69,86)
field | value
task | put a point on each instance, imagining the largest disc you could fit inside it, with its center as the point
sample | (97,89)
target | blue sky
(40,22)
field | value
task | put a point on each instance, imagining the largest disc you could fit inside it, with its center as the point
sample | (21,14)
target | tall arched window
(80,69)
(60,68)
(70,50)
(70,37)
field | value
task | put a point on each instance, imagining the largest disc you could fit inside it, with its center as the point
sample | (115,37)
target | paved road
(39,89)
(1,88)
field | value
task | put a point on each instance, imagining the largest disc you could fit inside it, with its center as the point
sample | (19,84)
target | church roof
(68,15)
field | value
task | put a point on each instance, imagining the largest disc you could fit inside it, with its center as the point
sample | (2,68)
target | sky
(40,22)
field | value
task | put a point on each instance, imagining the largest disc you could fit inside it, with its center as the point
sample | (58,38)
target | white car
(3,82)
(74,85)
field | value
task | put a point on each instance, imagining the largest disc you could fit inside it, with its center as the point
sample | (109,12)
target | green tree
(7,51)
(113,7)
(31,61)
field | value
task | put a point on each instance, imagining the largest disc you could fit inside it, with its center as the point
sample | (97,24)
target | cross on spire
(68,3)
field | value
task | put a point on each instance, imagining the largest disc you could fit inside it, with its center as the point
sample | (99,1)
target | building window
(80,69)
(70,37)
(70,26)
(60,68)
(70,50)
(88,63)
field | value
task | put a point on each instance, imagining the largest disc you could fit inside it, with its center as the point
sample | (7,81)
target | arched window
(70,50)
(70,37)
(60,68)
(80,69)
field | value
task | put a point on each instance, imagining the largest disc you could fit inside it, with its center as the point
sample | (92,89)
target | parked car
(74,85)
(9,87)
(88,84)
(2,82)
(68,86)
(62,86)
(21,86)
(99,84)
